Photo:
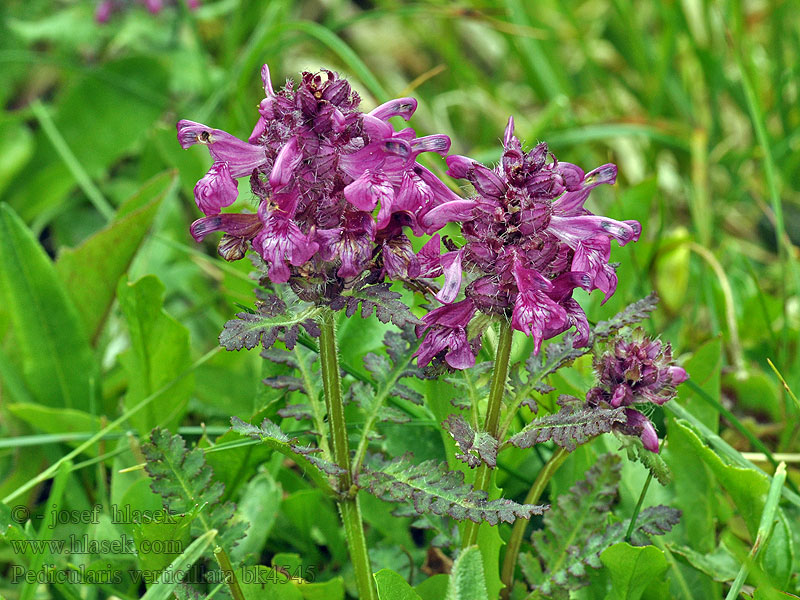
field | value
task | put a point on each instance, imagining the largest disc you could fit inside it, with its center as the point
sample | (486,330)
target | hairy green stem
(520,525)
(349,508)
(483,475)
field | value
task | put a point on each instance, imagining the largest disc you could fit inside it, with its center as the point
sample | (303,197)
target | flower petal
(368,190)
(399,107)
(287,161)
(242,158)
(216,189)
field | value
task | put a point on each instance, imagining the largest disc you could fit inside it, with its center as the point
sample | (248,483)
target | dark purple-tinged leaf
(575,424)
(576,531)
(185,483)
(298,412)
(377,298)
(432,488)
(475,447)
(630,315)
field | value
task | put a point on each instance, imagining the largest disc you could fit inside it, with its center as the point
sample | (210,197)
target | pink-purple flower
(319,169)
(529,243)
(636,371)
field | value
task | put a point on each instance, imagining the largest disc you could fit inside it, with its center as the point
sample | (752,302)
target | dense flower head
(320,168)
(529,243)
(639,371)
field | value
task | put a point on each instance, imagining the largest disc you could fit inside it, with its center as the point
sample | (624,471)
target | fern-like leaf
(185,483)
(272,435)
(576,532)
(651,461)
(475,446)
(274,318)
(574,424)
(432,488)
(578,514)
(630,315)
(377,298)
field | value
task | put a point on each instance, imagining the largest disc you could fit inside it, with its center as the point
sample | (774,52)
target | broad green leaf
(633,569)
(259,506)
(467,581)
(160,542)
(490,544)
(17,142)
(174,574)
(159,350)
(694,491)
(433,588)
(720,564)
(333,589)
(264,583)
(101,115)
(59,420)
(704,369)
(91,271)
(747,487)
(57,362)
(392,586)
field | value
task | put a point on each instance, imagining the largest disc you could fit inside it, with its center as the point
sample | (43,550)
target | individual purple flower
(636,371)
(320,169)
(107,8)
(529,240)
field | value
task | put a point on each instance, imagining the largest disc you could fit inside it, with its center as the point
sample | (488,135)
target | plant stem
(349,508)
(520,525)
(483,475)
(636,510)
(225,565)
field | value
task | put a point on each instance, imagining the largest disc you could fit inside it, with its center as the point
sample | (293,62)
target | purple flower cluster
(637,371)
(529,243)
(106,8)
(319,168)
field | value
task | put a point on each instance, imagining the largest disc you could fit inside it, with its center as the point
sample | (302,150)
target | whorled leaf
(574,424)
(530,377)
(651,461)
(377,298)
(473,382)
(475,446)
(274,318)
(272,435)
(185,483)
(432,488)
(630,315)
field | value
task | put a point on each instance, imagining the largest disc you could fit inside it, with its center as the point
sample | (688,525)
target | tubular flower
(529,243)
(637,371)
(320,168)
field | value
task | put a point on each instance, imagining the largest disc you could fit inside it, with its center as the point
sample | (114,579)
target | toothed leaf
(185,483)
(377,298)
(432,488)
(273,437)
(574,424)
(630,315)
(475,446)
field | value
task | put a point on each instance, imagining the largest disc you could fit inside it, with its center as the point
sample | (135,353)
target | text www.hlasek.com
(84,545)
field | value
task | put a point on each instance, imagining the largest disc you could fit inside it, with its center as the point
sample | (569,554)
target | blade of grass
(29,587)
(53,469)
(785,385)
(73,164)
(174,573)
(764,531)
(345,53)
